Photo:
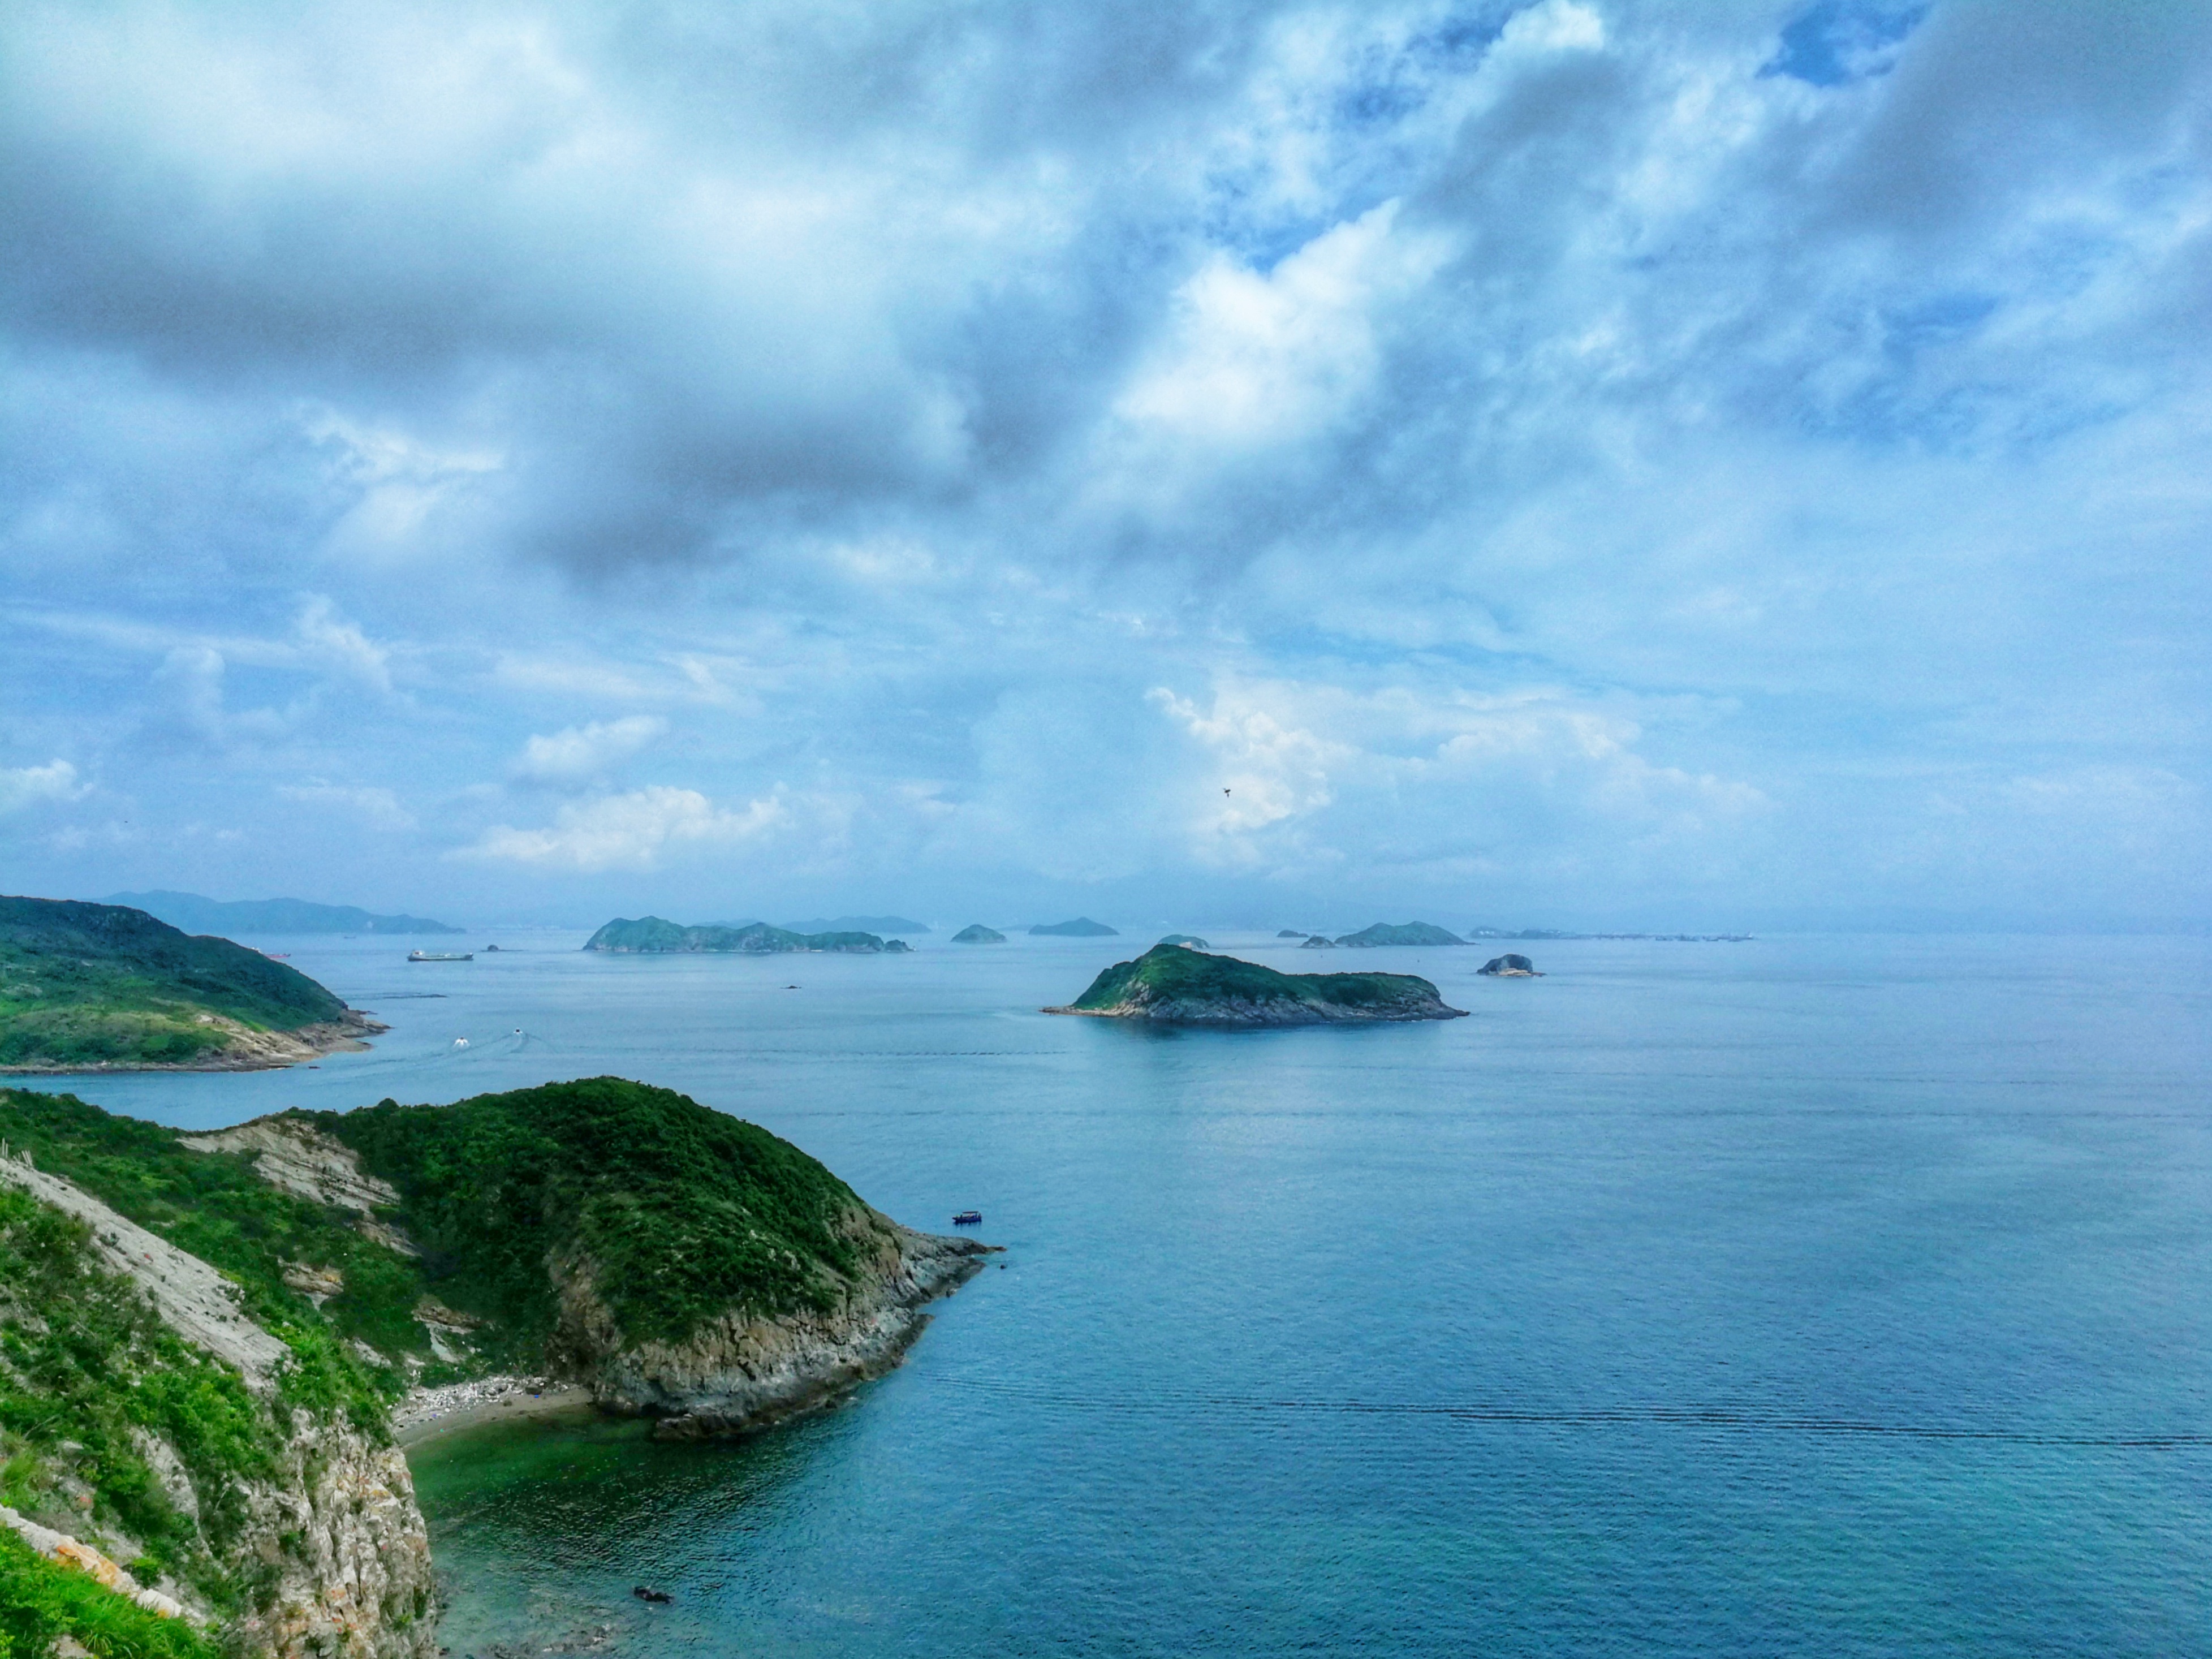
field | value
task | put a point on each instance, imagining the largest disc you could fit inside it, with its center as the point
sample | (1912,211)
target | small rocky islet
(1175,984)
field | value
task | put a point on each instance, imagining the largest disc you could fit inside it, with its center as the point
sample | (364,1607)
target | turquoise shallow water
(1822,1296)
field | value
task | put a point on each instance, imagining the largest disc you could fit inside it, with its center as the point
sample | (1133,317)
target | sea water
(1836,1296)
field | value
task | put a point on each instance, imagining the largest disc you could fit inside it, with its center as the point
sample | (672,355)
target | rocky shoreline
(249,1050)
(738,1373)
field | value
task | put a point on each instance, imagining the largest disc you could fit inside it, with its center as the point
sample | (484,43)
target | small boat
(969,1218)
(441,956)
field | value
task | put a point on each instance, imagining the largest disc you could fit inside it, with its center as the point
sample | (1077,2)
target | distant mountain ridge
(197,914)
(857,924)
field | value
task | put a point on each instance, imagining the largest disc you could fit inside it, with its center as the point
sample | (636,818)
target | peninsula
(90,988)
(651,936)
(1177,985)
(207,1335)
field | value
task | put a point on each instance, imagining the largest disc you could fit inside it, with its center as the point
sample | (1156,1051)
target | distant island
(1289,933)
(196,915)
(886,924)
(90,987)
(653,936)
(976,933)
(1404,932)
(1191,939)
(1510,967)
(213,1338)
(1552,934)
(1081,927)
(1174,984)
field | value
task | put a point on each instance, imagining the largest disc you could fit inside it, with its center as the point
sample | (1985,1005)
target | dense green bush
(684,1210)
(42,1600)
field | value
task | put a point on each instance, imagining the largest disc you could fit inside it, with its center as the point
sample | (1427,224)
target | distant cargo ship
(441,956)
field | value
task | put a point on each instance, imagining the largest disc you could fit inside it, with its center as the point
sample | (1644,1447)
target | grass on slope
(41,1601)
(683,1211)
(85,983)
(84,1361)
(216,1207)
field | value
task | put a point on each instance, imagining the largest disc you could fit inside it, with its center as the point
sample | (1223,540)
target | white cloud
(373,808)
(631,831)
(583,754)
(339,648)
(27,786)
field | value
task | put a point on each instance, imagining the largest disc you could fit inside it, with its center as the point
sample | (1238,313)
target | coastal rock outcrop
(739,1370)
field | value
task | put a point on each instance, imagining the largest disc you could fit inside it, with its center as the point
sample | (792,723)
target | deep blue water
(1839,1296)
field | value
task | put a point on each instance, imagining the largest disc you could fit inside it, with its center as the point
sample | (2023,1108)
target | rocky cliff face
(352,1556)
(332,1537)
(739,1372)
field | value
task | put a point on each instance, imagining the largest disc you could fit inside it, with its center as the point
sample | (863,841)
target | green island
(1175,984)
(1402,932)
(976,933)
(650,935)
(101,986)
(208,1339)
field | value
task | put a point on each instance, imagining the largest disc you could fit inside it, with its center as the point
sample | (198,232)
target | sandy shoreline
(427,1413)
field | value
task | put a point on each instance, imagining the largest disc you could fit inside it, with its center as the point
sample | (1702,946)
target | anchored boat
(441,956)
(969,1218)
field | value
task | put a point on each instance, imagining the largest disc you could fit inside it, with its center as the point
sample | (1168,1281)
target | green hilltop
(1176,984)
(85,986)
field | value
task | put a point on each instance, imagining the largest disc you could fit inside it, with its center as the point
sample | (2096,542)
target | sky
(1593,464)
